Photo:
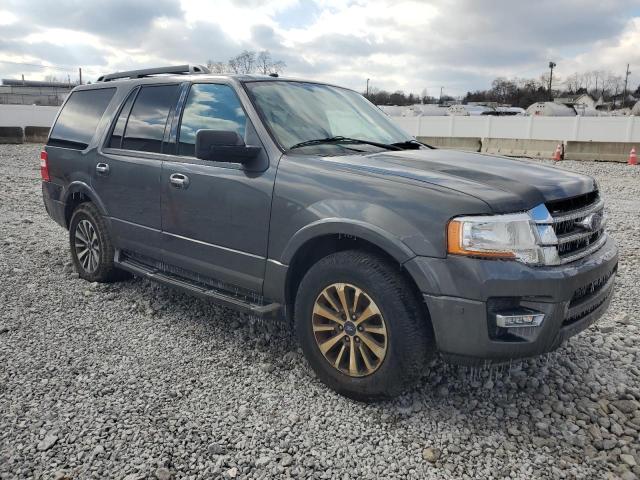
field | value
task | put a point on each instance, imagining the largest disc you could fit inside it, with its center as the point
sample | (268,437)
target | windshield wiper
(341,139)
(412,144)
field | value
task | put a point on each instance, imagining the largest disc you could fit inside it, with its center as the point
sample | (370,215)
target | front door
(215,215)
(126,174)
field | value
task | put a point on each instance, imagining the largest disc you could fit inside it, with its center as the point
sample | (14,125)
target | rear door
(126,174)
(216,225)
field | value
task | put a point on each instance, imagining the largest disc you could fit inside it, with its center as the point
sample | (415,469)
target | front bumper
(463,294)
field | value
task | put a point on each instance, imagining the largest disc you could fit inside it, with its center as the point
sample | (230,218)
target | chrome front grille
(571,229)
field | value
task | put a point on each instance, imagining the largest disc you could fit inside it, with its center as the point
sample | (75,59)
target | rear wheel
(361,326)
(92,251)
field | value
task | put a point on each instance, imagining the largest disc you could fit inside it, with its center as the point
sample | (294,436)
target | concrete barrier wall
(11,135)
(520,148)
(36,134)
(601,151)
(453,143)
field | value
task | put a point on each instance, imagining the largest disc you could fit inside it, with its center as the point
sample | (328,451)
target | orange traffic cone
(558,155)
(633,158)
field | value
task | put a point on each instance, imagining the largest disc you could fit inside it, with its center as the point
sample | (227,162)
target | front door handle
(179,180)
(102,169)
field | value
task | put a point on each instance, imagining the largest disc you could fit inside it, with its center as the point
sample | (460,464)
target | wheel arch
(77,193)
(323,238)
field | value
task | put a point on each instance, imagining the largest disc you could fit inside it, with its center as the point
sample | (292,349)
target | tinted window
(79,118)
(209,107)
(116,136)
(145,127)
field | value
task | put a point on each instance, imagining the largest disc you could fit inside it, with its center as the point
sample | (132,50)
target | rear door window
(209,107)
(79,118)
(145,128)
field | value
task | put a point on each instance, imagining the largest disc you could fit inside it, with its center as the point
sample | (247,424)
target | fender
(348,227)
(78,186)
(277,271)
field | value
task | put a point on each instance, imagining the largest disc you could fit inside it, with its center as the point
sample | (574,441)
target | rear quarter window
(79,118)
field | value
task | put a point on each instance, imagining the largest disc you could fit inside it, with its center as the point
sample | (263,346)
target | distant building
(579,99)
(551,109)
(29,92)
(429,110)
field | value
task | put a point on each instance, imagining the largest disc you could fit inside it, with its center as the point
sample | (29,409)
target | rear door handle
(179,180)
(102,169)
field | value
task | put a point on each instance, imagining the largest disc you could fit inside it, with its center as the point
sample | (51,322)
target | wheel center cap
(350,328)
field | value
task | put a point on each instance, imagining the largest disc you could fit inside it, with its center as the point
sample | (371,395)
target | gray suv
(302,200)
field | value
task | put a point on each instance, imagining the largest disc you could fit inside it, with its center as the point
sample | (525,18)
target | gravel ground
(135,381)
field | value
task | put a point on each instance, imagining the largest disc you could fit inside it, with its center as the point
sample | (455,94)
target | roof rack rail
(147,72)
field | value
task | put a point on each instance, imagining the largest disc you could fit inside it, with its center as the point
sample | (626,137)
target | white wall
(598,129)
(27,115)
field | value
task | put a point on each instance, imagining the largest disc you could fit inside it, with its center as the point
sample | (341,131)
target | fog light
(519,318)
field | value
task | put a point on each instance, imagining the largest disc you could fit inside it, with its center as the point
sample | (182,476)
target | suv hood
(505,184)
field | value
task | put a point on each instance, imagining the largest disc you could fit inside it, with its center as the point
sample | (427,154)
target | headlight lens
(497,236)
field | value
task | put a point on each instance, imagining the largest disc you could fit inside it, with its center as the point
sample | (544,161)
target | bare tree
(614,85)
(233,65)
(217,67)
(573,82)
(264,62)
(599,79)
(587,80)
(278,66)
(244,62)
(248,62)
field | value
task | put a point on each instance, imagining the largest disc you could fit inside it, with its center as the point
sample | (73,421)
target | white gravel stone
(132,379)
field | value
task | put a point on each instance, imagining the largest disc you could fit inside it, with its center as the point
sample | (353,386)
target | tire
(95,265)
(403,335)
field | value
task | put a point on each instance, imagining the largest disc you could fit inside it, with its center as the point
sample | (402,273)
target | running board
(199,290)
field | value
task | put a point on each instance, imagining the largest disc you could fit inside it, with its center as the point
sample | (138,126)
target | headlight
(496,236)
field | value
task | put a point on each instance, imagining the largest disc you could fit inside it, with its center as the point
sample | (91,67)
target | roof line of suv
(172,71)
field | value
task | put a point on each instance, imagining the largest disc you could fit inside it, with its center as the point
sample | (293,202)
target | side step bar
(199,290)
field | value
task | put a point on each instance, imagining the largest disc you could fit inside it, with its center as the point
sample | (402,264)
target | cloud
(459,44)
(55,54)
(119,20)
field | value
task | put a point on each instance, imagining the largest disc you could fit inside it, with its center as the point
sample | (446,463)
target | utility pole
(440,100)
(552,65)
(80,74)
(368,87)
(624,92)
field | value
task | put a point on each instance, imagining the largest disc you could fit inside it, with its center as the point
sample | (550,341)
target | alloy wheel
(349,330)
(87,246)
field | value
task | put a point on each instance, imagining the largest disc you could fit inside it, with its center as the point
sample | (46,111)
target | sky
(460,45)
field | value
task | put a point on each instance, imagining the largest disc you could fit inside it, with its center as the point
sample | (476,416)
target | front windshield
(297,112)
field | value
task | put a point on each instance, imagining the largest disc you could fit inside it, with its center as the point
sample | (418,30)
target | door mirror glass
(223,146)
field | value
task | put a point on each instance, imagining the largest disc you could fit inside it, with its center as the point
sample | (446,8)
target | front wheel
(361,326)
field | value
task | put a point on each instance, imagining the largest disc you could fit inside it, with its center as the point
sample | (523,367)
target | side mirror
(223,146)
